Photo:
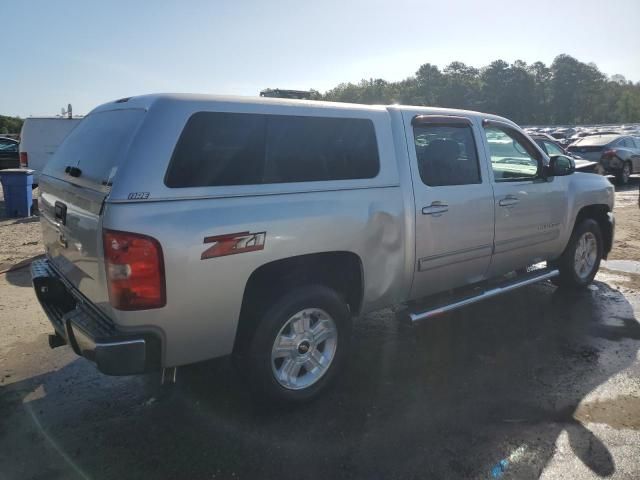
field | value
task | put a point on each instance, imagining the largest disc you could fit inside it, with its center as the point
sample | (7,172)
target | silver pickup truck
(180,228)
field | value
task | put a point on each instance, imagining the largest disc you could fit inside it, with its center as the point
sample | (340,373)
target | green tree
(628,105)
(429,85)
(10,124)
(541,75)
(567,92)
(461,87)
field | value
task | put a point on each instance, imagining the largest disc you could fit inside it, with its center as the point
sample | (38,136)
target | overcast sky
(89,52)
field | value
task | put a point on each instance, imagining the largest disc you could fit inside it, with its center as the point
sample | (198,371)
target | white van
(39,139)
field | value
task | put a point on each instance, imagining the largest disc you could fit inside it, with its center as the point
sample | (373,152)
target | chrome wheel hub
(304,349)
(585,255)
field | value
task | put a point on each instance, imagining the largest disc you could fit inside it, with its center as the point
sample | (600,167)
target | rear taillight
(610,153)
(135,270)
(24,159)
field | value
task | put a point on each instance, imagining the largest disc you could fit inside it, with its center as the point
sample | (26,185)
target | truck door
(530,210)
(454,203)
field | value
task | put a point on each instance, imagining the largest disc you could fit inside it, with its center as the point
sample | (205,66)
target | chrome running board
(507,286)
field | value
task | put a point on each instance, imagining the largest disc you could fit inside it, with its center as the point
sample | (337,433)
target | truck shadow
(19,274)
(446,399)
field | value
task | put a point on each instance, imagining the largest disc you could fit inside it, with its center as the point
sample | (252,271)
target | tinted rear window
(96,146)
(446,155)
(221,149)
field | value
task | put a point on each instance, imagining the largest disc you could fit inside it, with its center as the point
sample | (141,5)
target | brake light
(135,270)
(24,160)
(610,153)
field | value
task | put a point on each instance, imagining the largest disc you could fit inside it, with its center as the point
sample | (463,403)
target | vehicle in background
(551,147)
(39,139)
(9,153)
(560,137)
(577,136)
(603,132)
(618,155)
(563,135)
(281,93)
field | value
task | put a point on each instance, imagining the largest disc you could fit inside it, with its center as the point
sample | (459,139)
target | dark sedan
(9,157)
(618,155)
(551,147)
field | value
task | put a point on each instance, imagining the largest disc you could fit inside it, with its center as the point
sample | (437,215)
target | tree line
(566,92)
(10,125)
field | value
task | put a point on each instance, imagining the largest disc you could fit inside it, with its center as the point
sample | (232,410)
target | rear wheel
(622,177)
(580,261)
(299,345)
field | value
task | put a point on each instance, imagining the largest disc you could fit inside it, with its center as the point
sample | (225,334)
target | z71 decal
(232,243)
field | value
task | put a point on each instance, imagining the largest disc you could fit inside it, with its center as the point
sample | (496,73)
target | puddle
(620,412)
(627,266)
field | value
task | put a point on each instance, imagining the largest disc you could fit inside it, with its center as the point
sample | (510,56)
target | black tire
(258,355)
(569,277)
(622,177)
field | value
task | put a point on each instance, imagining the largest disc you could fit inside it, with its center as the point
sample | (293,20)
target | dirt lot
(546,382)
(19,237)
(627,246)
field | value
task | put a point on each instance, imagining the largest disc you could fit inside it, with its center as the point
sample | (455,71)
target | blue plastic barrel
(16,186)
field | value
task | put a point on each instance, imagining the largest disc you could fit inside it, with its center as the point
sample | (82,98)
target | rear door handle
(436,208)
(508,201)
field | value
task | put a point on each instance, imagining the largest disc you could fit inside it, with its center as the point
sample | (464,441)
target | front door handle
(508,201)
(436,208)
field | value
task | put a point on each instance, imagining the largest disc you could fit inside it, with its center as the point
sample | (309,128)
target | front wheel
(580,261)
(300,344)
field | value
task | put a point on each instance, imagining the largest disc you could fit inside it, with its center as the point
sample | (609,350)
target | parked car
(39,139)
(180,228)
(9,153)
(563,135)
(551,147)
(618,155)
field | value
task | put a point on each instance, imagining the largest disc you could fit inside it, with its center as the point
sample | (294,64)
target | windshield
(8,146)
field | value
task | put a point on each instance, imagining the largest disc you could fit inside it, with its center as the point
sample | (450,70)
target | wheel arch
(601,214)
(340,270)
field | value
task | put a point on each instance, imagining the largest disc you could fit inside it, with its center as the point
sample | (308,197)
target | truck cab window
(223,149)
(512,156)
(446,155)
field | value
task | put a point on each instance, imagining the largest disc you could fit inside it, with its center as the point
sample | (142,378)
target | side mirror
(560,165)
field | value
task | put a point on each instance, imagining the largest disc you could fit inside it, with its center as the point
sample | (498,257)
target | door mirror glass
(560,165)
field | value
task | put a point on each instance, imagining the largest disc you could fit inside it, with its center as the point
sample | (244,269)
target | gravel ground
(535,384)
(627,246)
(20,238)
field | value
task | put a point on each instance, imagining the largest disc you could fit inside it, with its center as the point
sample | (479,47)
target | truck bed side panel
(204,297)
